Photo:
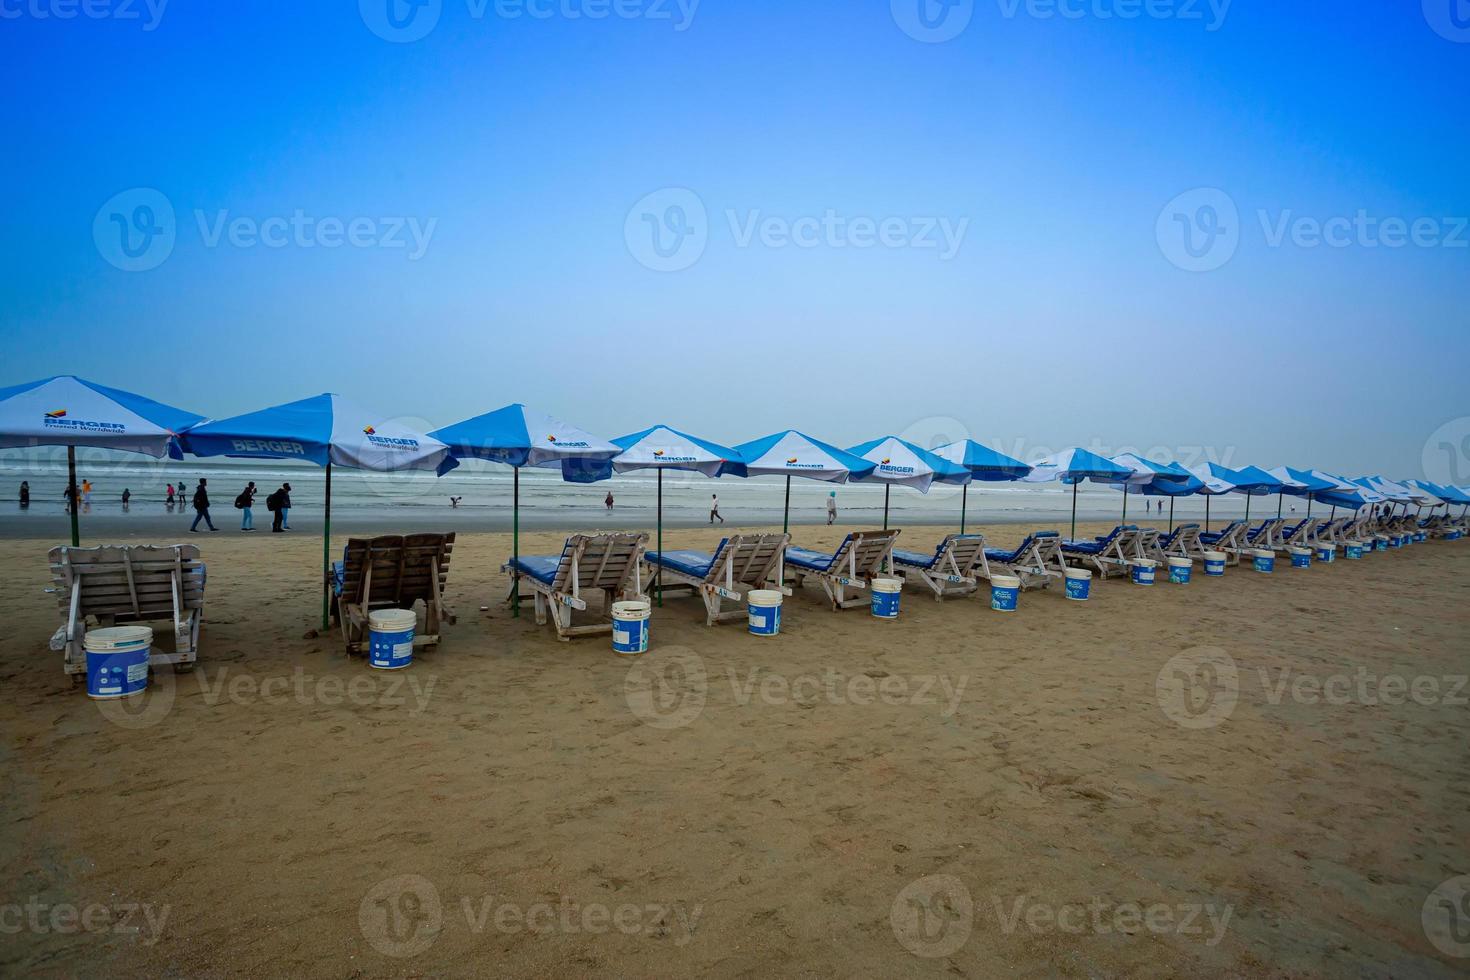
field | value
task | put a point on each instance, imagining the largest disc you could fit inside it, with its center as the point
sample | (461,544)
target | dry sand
(959,791)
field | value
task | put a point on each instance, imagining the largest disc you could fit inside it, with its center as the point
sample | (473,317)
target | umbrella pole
(1074,511)
(965,493)
(659,589)
(1125,504)
(72,495)
(1309,505)
(886,488)
(786,514)
(327,552)
(1171,515)
(515,541)
(1247,510)
(1280,499)
(1207,515)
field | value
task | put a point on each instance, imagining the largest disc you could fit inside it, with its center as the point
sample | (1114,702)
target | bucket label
(137,672)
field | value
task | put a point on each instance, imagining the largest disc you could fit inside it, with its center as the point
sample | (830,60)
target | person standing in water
(127,496)
(25,494)
(170,501)
(714,508)
(608,501)
(832,507)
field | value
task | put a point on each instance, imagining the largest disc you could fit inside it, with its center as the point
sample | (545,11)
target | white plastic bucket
(1079,583)
(1180,570)
(1215,563)
(1420,537)
(117,660)
(1452,535)
(1380,542)
(390,638)
(1005,591)
(1142,570)
(1263,561)
(1301,557)
(1325,552)
(630,627)
(764,607)
(1353,550)
(886,594)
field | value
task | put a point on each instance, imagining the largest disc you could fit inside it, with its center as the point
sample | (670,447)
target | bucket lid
(1079,573)
(631,609)
(1179,561)
(763,597)
(1214,556)
(112,638)
(1142,562)
(1005,581)
(887,584)
(1297,549)
(391,620)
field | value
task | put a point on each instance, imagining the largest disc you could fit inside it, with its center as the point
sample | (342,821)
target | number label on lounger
(727,594)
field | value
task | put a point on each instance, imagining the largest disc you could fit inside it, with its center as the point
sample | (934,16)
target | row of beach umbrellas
(329,430)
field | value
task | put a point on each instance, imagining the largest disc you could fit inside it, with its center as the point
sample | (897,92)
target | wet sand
(959,791)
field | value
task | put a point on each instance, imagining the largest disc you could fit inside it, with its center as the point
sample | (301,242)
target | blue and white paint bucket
(1352,550)
(1214,563)
(1420,537)
(630,627)
(117,661)
(764,607)
(1380,542)
(1142,570)
(390,638)
(1263,561)
(886,593)
(1395,541)
(1079,584)
(1005,590)
(1325,551)
(1452,535)
(1180,570)
(1301,557)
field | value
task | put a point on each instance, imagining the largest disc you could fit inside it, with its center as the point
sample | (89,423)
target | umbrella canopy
(1256,482)
(518,436)
(1300,483)
(1348,494)
(69,411)
(791,453)
(1445,492)
(326,430)
(907,465)
(1146,472)
(983,463)
(1073,466)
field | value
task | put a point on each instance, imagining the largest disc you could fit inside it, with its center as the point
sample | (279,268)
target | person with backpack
(201,507)
(243,503)
(278,504)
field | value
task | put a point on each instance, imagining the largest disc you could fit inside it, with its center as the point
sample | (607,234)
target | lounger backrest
(863,552)
(749,557)
(966,550)
(1047,546)
(404,569)
(128,583)
(602,561)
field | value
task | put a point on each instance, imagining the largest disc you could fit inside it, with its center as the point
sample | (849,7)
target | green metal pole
(72,495)
(327,553)
(658,584)
(515,542)
(1171,515)
(1125,504)
(1280,499)
(1247,511)
(887,487)
(964,495)
(1207,513)
(1309,505)
(786,514)
(1074,511)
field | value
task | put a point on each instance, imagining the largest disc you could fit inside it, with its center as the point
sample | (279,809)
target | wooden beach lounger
(1182,542)
(953,569)
(1229,539)
(858,560)
(1036,561)
(1107,554)
(129,584)
(606,563)
(392,571)
(740,563)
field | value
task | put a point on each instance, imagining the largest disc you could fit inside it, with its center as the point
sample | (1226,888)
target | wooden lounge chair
(116,586)
(740,563)
(1107,554)
(393,571)
(606,563)
(1036,561)
(856,562)
(1230,539)
(1182,542)
(953,569)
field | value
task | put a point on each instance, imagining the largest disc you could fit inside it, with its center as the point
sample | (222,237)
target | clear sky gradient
(525,144)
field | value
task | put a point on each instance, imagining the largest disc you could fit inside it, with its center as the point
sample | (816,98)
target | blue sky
(1065,155)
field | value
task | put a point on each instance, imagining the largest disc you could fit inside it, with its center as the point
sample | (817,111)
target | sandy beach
(959,791)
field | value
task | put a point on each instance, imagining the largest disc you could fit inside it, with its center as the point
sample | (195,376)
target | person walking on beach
(170,501)
(714,508)
(25,494)
(245,501)
(285,506)
(832,507)
(608,502)
(86,493)
(277,503)
(201,507)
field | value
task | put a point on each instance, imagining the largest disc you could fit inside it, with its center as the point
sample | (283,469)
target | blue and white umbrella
(1348,495)
(1215,480)
(1146,473)
(517,436)
(1073,466)
(984,464)
(791,453)
(903,463)
(1299,483)
(70,411)
(661,448)
(1255,482)
(327,430)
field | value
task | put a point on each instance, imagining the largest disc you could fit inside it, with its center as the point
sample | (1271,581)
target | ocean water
(485,492)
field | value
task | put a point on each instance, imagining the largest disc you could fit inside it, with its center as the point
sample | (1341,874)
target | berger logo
(368,430)
(887,461)
(272,447)
(791,460)
(567,445)
(402,444)
(657,453)
(59,420)
(60,413)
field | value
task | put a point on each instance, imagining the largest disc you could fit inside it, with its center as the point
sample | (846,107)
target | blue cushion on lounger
(806,558)
(693,563)
(540,567)
(1010,557)
(916,558)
